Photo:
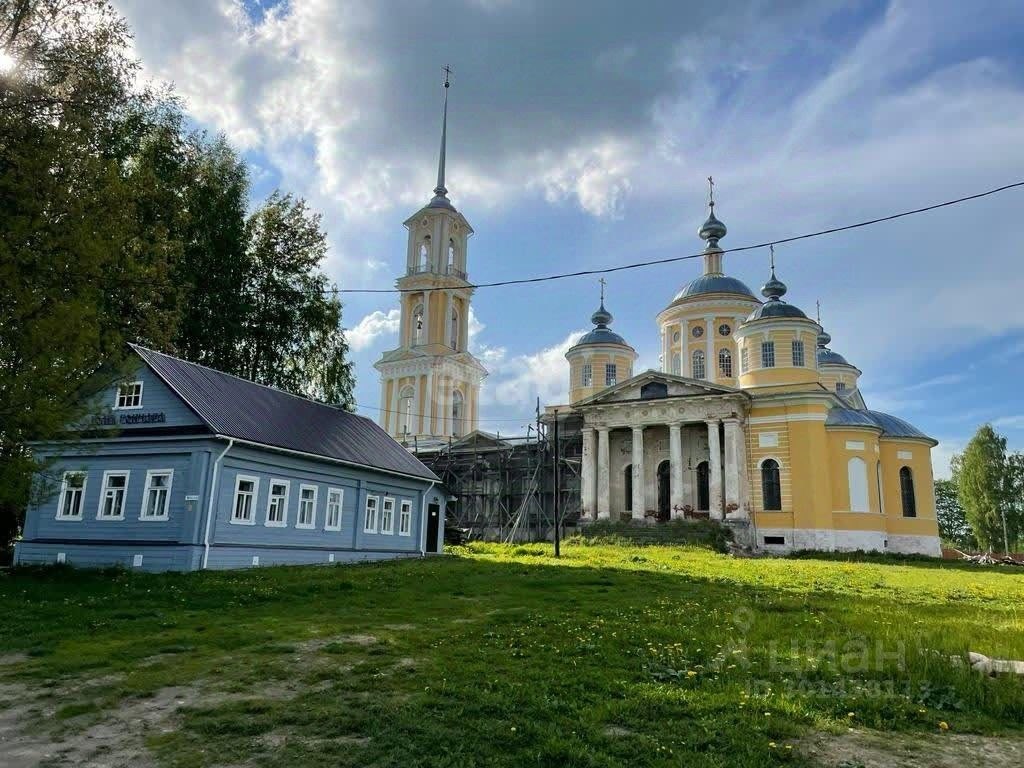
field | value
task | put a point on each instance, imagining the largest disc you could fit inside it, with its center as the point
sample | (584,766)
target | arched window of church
(417,325)
(907,492)
(677,364)
(424,254)
(857,474)
(405,414)
(451,255)
(725,364)
(698,364)
(771,485)
(455,329)
(458,407)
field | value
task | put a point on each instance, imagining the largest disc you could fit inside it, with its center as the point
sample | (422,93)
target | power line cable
(672,259)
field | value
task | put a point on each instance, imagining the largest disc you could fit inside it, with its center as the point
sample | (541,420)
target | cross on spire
(817,305)
(447,74)
(711,191)
(440,191)
(771,251)
(602,281)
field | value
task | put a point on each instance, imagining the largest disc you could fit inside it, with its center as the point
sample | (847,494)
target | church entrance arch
(664,513)
(703,487)
(627,484)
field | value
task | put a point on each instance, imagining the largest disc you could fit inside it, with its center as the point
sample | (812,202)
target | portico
(663,446)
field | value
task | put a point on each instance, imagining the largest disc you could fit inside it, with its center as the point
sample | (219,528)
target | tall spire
(712,231)
(440,192)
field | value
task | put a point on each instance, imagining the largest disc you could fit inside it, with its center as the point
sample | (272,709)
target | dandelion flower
(943,725)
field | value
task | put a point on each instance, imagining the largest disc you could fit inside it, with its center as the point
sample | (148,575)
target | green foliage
(503,656)
(953,526)
(984,490)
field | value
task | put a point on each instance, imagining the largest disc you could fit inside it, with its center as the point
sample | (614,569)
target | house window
(840,386)
(156,495)
(857,473)
(725,364)
(610,374)
(771,486)
(768,354)
(586,375)
(907,492)
(798,354)
(387,516)
(332,517)
(370,521)
(405,519)
(744,361)
(307,507)
(458,411)
(72,494)
(277,504)
(129,395)
(698,364)
(245,499)
(115,488)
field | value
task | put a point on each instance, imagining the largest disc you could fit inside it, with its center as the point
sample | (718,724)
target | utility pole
(557,489)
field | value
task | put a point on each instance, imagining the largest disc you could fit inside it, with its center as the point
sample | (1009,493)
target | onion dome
(712,230)
(601,334)
(775,307)
(602,317)
(825,355)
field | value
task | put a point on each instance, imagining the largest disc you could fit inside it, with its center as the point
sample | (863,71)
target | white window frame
(387,513)
(611,374)
(107,474)
(150,473)
(797,345)
(725,363)
(587,375)
(327,509)
(283,522)
(840,386)
(767,354)
(370,526)
(239,479)
(64,489)
(405,518)
(298,514)
(698,365)
(117,395)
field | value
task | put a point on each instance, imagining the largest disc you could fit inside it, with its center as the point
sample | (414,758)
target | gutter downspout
(209,507)
(423,519)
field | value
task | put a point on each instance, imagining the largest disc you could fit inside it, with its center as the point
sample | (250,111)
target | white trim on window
(147,492)
(387,515)
(307,505)
(282,507)
(132,397)
(252,495)
(338,507)
(370,520)
(78,495)
(405,518)
(120,495)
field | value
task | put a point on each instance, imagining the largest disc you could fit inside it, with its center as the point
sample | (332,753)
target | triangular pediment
(480,441)
(654,385)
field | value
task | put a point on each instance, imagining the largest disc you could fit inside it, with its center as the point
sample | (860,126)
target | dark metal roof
(714,284)
(239,408)
(602,336)
(891,426)
(828,357)
(775,308)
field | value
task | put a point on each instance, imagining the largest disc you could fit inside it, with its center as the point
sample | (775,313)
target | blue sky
(581,135)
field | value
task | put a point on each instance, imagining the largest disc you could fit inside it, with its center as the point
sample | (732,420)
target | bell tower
(430,384)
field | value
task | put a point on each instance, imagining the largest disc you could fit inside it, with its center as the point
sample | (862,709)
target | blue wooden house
(195,469)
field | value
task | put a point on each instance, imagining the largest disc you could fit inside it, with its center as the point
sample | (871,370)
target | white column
(603,475)
(426,317)
(588,486)
(394,421)
(715,467)
(684,351)
(711,365)
(666,361)
(732,470)
(448,340)
(639,495)
(428,405)
(675,455)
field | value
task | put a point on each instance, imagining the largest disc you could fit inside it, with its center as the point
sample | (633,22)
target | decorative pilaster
(639,495)
(588,486)
(603,475)
(733,464)
(675,451)
(715,467)
(447,336)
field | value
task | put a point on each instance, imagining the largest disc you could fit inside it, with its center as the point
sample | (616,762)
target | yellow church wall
(830,375)
(420,418)
(843,445)
(893,456)
(812,482)
(389,417)
(598,361)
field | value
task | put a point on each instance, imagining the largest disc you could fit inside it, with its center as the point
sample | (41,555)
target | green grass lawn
(504,656)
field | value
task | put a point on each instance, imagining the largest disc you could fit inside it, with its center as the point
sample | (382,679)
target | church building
(752,420)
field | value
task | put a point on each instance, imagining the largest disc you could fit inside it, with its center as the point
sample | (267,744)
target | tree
(953,526)
(983,489)
(292,336)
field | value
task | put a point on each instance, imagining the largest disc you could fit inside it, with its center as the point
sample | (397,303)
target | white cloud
(521,379)
(1009,422)
(942,455)
(595,176)
(371,327)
